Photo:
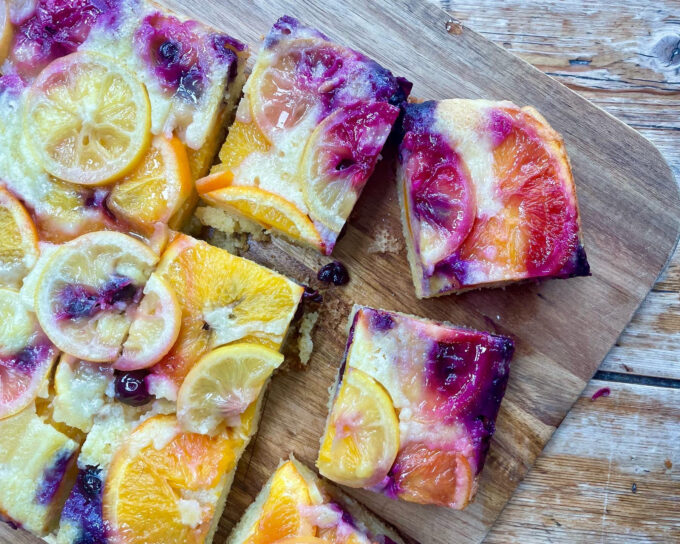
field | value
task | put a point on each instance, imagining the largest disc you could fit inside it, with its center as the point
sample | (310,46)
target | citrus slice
(280,516)
(215,180)
(242,140)
(268,209)
(284,92)
(19,241)
(362,433)
(221,386)
(157,187)
(224,299)
(430,476)
(5,30)
(86,290)
(163,484)
(440,195)
(26,355)
(302,540)
(87,119)
(154,329)
(339,158)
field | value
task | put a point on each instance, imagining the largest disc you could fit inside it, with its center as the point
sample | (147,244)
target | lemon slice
(268,209)
(157,187)
(88,119)
(155,326)
(18,242)
(5,30)
(361,440)
(280,516)
(26,356)
(221,386)
(86,289)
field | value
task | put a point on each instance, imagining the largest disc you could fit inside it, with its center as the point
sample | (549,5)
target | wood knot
(667,50)
(454,26)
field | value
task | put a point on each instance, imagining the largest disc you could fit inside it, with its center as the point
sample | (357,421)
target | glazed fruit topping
(334,272)
(54,29)
(442,196)
(81,301)
(131,388)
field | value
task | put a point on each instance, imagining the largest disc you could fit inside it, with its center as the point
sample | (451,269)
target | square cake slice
(487,197)
(158,90)
(414,408)
(296,506)
(308,132)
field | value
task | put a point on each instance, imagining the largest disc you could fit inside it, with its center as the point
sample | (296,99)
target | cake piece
(36,465)
(487,197)
(414,408)
(158,90)
(308,133)
(296,506)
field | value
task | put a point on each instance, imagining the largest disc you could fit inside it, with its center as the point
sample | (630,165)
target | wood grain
(563,328)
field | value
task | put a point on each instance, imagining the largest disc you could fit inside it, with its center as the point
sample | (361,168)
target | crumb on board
(385,241)
(305,343)
(668,464)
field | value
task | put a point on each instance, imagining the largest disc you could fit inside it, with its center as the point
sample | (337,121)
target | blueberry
(333,272)
(191,85)
(312,295)
(131,387)
(169,51)
(90,481)
(78,301)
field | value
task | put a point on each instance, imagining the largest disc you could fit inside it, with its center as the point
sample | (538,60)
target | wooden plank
(581,488)
(563,329)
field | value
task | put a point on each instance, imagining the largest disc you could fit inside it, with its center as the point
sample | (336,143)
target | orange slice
(362,433)
(268,209)
(19,241)
(242,140)
(157,187)
(164,485)
(224,299)
(280,517)
(87,119)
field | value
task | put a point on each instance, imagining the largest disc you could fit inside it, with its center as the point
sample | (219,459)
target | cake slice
(308,133)
(414,408)
(159,90)
(36,470)
(296,507)
(487,197)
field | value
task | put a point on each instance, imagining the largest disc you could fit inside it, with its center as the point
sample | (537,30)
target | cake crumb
(386,242)
(668,464)
(305,343)
(231,233)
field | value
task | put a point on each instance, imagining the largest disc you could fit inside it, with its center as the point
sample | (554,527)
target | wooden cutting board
(563,329)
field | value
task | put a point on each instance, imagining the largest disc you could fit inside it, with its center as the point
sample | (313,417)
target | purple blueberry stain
(311,295)
(56,28)
(83,507)
(53,476)
(333,272)
(131,387)
(500,126)
(174,53)
(381,321)
(29,358)
(98,200)
(576,265)
(80,301)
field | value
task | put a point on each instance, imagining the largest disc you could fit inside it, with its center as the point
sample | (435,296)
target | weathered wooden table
(611,472)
